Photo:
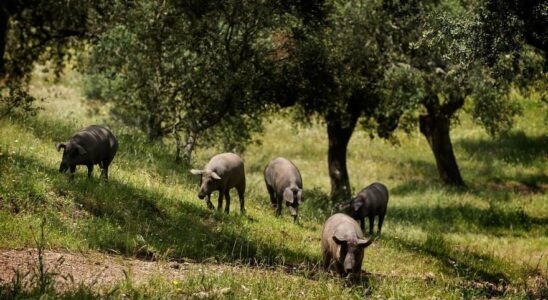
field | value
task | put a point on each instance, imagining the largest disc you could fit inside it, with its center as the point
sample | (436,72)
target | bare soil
(91,269)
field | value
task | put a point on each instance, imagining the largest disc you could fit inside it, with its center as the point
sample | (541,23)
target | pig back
(229,166)
(98,141)
(282,173)
(376,197)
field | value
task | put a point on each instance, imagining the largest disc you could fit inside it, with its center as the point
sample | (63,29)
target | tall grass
(488,240)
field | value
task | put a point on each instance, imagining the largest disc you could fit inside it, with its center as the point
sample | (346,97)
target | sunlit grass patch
(488,240)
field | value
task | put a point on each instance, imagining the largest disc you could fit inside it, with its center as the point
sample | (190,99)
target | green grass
(490,240)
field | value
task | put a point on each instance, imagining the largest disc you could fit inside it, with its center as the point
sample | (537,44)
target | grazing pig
(223,172)
(343,243)
(93,145)
(283,182)
(370,202)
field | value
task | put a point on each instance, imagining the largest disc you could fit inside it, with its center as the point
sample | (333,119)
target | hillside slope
(488,240)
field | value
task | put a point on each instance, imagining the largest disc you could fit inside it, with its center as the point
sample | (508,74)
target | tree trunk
(154,128)
(436,130)
(177,146)
(188,147)
(339,135)
(4,17)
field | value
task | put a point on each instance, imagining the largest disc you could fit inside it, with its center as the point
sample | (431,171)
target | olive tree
(333,69)
(190,69)
(42,31)
(446,59)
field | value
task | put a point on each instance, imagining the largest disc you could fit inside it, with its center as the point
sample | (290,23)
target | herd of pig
(342,241)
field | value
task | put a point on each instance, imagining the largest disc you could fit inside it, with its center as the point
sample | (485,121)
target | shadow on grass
(135,151)
(468,218)
(317,206)
(484,275)
(134,221)
(516,148)
(496,188)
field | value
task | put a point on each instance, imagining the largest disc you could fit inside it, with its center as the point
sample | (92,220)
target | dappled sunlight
(483,238)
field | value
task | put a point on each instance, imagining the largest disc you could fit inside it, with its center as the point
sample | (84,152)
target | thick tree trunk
(436,130)
(339,135)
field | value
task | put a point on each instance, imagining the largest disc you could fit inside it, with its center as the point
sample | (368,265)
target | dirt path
(91,269)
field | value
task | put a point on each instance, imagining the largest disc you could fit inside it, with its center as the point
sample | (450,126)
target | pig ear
(215,175)
(59,146)
(300,196)
(339,239)
(196,172)
(288,195)
(81,150)
(363,243)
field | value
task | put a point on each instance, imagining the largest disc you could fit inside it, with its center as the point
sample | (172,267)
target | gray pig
(370,202)
(343,243)
(283,182)
(223,172)
(93,145)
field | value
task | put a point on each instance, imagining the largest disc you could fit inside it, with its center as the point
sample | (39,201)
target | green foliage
(15,101)
(507,25)
(40,31)
(186,70)
(336,66)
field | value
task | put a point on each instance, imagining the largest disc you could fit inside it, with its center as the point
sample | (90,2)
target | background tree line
(203,72)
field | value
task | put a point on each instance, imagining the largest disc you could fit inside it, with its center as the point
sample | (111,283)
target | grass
(490,240)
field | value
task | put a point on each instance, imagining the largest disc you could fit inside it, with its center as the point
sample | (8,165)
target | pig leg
(272,195)
(381,219)
(90,170)
(241,190)
(208,202)
(227,197)
(340,269)
(220,201)
(326,261)
(72,170)
(106,172)
(104,169)
(279,206)
(362,224)
(371,223)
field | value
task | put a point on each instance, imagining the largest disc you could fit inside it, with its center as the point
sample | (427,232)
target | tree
(188,68)
(38,31)
(448,60)
(506,25)
(333,67)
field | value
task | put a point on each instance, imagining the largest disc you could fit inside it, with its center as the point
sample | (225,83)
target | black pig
(93,145)
(370,202)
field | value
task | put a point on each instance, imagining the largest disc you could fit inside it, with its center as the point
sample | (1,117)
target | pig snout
(201,195)
(294,211)
(347,269)
(349,263)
